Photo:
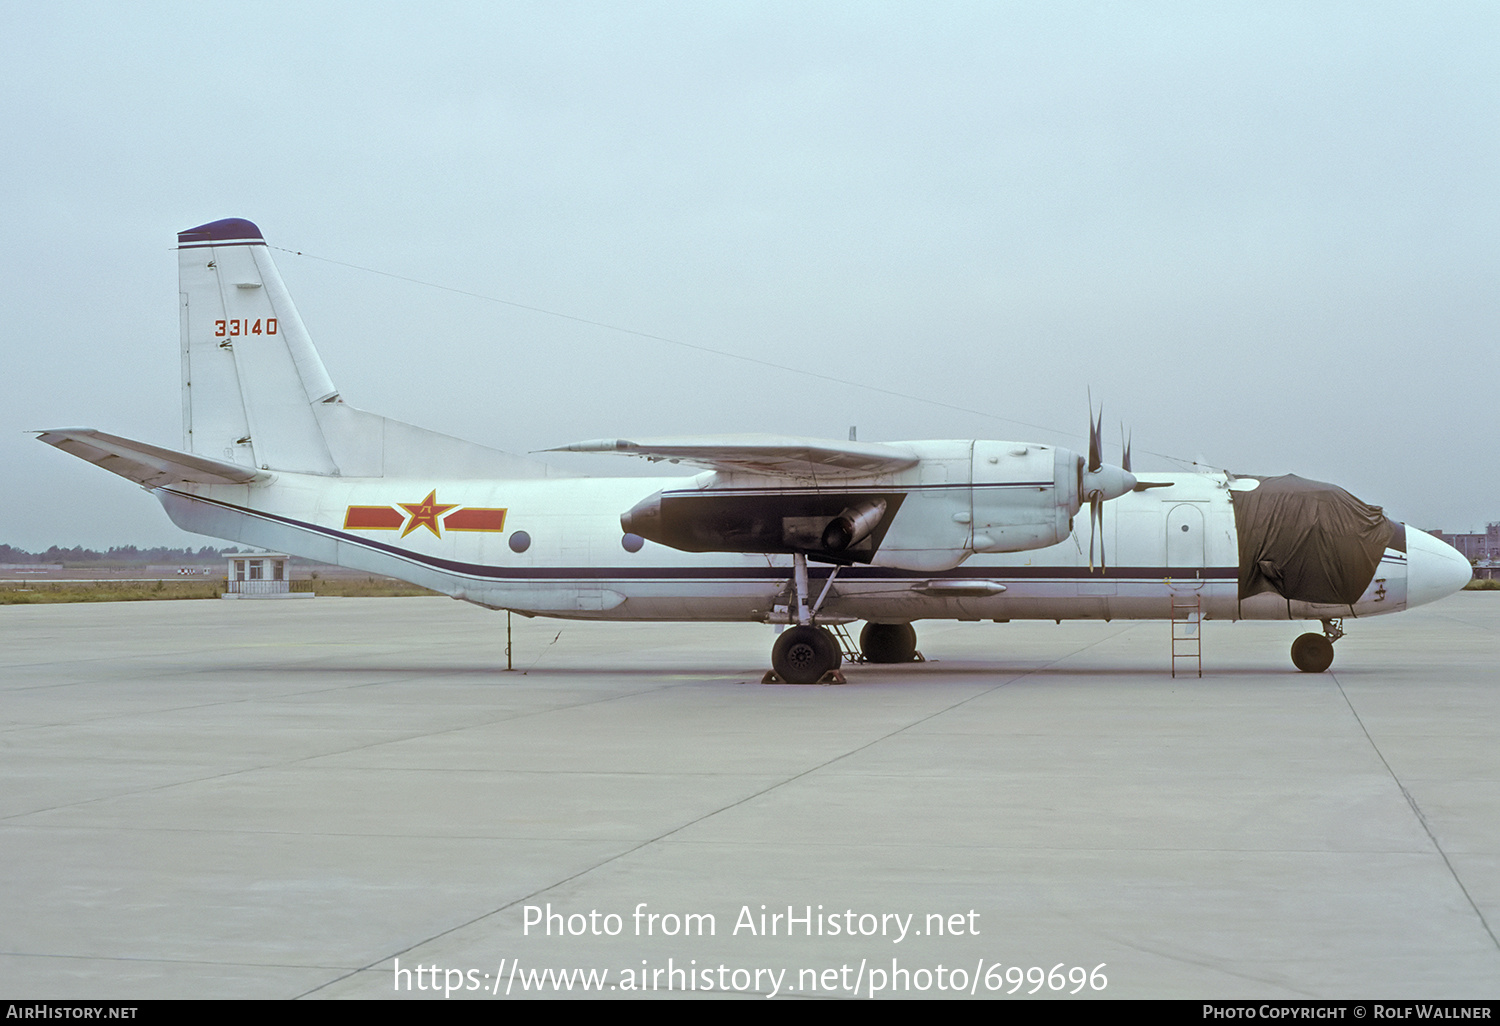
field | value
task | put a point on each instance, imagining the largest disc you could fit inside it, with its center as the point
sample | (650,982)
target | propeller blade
(1103,560)
(1096,427)
(1096,529)
(1125,445)
(1093,507)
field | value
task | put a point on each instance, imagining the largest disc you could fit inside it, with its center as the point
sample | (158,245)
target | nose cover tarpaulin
(1309,541)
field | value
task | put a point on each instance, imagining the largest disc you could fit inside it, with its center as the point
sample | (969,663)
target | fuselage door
(1187,547)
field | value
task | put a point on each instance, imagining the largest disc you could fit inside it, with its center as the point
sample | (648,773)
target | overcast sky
(1264,234)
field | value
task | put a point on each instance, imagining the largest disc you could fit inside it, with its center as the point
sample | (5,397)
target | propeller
(1099,482)
(1140,486)
(1095,495)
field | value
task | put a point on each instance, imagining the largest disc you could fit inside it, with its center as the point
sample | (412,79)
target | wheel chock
(831,677)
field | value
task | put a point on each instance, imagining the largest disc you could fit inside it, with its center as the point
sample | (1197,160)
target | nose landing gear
(1313,653)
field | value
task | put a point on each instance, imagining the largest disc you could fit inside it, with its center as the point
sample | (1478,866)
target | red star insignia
(425,514)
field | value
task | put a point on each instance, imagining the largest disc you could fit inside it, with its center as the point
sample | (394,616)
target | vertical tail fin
(250,375)
(255,392)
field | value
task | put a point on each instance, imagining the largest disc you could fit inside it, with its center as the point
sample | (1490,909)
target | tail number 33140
(225,329)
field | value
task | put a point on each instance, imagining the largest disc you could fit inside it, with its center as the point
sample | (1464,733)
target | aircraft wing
(769,455)
(145,464)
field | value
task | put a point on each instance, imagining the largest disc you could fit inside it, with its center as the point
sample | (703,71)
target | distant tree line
(122,555)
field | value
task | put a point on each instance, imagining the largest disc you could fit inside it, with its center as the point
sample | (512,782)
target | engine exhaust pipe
(853,525)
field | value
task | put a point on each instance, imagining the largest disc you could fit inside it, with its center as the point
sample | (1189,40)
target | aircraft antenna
(804,372)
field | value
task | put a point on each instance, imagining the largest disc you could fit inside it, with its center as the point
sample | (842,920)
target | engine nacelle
(1024,496)
(961,497)
(982,496)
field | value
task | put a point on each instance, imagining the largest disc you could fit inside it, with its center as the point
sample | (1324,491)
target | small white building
(261,575)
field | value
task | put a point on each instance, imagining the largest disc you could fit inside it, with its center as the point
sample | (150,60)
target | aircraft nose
(1434,569)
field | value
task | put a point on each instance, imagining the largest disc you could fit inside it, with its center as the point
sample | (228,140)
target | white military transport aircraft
(272,456)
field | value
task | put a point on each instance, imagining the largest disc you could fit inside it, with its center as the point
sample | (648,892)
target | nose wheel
(1313,653)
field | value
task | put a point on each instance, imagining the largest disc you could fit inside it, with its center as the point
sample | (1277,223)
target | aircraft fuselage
(575,561)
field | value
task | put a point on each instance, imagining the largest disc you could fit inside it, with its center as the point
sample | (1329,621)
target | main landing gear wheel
(804,653)
(1312,653)
(888,642)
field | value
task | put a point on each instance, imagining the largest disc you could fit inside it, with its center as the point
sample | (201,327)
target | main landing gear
(1313,653)
(806,653)
(809,654)
(888,642)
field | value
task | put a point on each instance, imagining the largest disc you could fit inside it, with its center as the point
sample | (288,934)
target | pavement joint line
(739,845)
(705,816)
(1417,812)
(363,747)
(1469,624)
(1215,964)
(162,960)
(323,755)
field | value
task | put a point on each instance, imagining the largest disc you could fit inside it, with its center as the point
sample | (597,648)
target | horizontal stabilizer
(148,465)
(774,455)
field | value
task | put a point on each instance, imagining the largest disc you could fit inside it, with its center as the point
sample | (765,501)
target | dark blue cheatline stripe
(843,485)
(595,573)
